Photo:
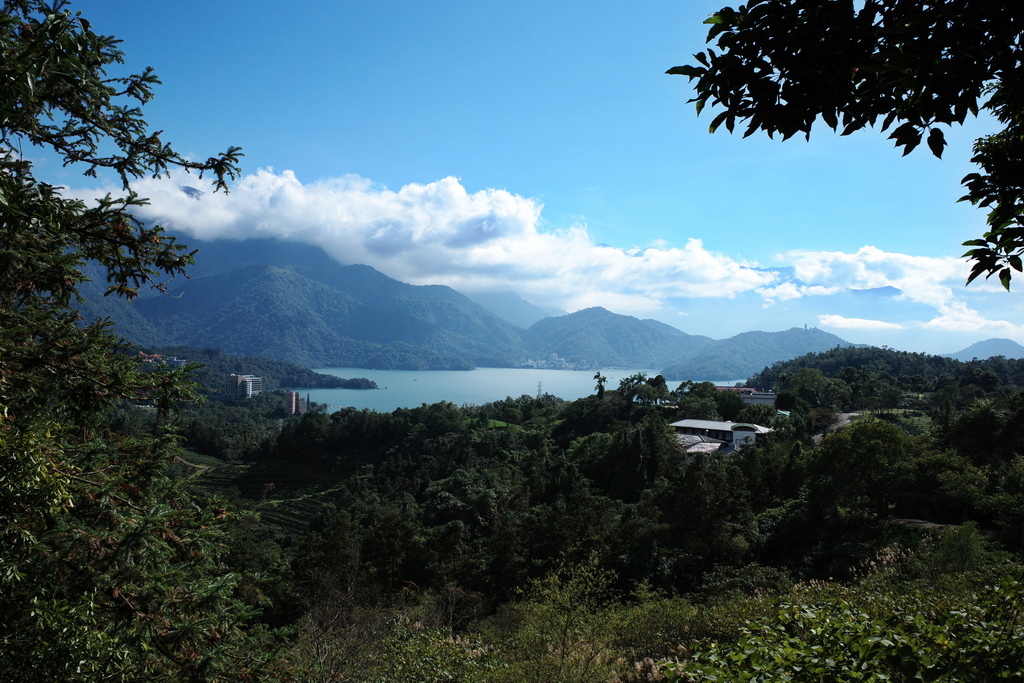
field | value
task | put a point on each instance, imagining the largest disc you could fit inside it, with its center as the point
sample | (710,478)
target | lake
(411,388)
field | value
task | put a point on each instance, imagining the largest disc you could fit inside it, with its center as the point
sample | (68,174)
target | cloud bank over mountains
(440,233)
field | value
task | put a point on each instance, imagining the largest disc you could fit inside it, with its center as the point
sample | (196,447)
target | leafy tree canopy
(107,571)
(779,66)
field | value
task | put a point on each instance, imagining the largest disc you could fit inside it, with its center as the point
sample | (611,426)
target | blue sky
(539,147)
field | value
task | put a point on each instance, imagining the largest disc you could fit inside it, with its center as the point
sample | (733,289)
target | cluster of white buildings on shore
(242,387)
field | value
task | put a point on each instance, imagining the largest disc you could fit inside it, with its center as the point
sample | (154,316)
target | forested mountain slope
(598,337)
(989,348)
(922,371)
(748,352)
(293,302)
(311,310)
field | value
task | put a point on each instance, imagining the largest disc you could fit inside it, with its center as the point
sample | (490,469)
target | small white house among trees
(734,434)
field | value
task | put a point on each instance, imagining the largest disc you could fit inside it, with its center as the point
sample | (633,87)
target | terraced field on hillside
(286,493)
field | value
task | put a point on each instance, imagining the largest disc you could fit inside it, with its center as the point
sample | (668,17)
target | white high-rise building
(244,386)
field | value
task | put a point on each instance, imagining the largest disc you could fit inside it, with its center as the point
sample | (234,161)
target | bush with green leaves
(563,630)
(108,571)
(843,635)
(413,654)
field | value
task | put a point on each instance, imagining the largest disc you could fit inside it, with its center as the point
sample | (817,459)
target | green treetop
(780,66)
(106,572)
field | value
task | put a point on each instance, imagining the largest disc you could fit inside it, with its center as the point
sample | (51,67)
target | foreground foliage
(528,539)
(915,635)
(781,65)
(535,539)
(107,570)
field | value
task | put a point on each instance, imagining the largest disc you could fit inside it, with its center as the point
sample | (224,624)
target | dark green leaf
(686,70)
(936,142)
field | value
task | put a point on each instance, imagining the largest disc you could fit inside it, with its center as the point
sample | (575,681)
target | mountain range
(989,348)
(285,300)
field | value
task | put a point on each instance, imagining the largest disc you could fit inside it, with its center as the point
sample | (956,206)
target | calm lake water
(411,388)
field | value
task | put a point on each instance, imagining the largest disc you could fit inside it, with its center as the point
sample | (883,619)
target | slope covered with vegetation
(537,539)
(148,536)
(108,570)
(294,303)
(748,352)
(213,367)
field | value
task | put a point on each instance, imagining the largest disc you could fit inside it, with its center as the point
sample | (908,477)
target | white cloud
(839,322)
(958,317)
(786,291)
(923,279)
(438,233)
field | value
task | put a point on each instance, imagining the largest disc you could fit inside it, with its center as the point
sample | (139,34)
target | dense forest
(150,534)
(209,368)
(542,540)
(884,377)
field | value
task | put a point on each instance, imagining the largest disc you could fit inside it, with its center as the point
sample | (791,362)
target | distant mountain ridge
(988,349)
(596,337)
(749,352)
(513,308)
(292,302)
(284,300)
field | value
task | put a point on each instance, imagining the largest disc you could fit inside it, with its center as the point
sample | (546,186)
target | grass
(908,419)
(193,458)
(287,493)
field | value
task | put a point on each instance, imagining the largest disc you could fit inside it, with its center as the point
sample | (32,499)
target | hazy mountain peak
(513,308)
(593,312)
(292,301)
(989,348)
(887,290)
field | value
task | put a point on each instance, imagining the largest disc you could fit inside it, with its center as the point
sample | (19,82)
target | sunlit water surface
(411,388)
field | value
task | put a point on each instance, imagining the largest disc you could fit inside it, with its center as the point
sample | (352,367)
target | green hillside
(746,353)
(276,374)
(276,312)
(292,302)
(599,338)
